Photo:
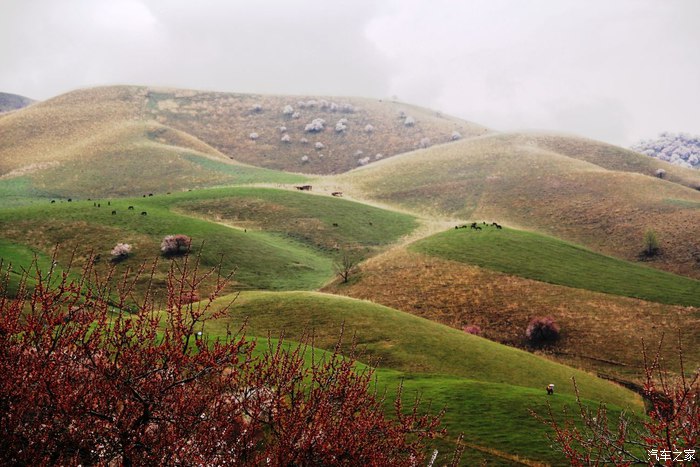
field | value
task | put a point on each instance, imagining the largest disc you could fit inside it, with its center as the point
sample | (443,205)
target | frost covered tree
(369,129)
(456,135)
(424,143)
(409,121)
(288,110)
(319,145)
(253,136)
(283,129)
(256,108)
(680,149)
(304,159)
(286,139)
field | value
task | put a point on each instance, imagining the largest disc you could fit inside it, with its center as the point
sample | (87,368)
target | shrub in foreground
(83,383)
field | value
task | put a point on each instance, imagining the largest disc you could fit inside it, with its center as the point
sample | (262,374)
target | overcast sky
(614,70)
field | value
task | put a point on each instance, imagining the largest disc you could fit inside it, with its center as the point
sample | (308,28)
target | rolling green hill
(547,259)
(495,178)
(289,253)
(487,388)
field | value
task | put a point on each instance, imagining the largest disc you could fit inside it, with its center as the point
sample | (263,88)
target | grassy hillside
(292,249)
(487,388)
(608,156)
(226,122)
(329,224)
(547,259)
(495,179)
(600,332)
(404,342)
(122,137)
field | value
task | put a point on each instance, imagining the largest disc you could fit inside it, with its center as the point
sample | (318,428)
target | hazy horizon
(617,72)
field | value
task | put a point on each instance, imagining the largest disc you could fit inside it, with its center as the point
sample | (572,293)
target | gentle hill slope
(496,179)
(408,343)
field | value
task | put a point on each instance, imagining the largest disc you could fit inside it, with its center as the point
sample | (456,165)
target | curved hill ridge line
(444,350)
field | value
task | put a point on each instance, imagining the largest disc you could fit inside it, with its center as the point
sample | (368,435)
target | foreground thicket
(670,435)
(82,382)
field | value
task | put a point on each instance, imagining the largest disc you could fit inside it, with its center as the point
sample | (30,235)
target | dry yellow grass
(600,332)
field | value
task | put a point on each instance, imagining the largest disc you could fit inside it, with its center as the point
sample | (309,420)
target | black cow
(144,213)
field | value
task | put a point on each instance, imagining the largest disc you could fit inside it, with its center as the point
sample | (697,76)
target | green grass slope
(329,224)
(497,179)
(547,259)
(487,388)
(293,247)
(407,343)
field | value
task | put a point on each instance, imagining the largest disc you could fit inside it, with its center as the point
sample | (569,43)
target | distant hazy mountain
(680,149)
(13,102)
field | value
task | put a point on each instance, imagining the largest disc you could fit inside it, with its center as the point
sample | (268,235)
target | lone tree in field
(82,383)
(345,266)
(175,244)
(651,244)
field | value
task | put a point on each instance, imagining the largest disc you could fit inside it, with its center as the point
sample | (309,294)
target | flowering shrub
(316,125)
(175,244)
(472,329)
(121,250)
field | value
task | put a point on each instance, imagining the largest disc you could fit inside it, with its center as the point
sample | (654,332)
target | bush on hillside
(369,128)
(409,121)
(651,244)
(455,136)
(120,251)
(286,139)
(287,110)
(317,125)
(472,329)
(542,331)
(175,244)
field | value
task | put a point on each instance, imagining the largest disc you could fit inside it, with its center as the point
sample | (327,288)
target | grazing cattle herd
(475,226)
